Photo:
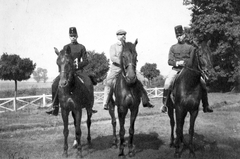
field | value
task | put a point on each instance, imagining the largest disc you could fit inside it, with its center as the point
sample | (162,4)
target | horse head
(205,57)
(201,58)
(65,65)
(128,61)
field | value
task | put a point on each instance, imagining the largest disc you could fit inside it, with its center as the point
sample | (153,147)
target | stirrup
(106,107)
(164,109)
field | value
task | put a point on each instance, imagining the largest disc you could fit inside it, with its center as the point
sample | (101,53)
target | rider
(115,51)
(78,51)
(178,55)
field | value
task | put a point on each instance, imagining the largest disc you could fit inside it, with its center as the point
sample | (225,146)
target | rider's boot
(206,108)
(165,96)
(145,99)
(106,97)
(55,106)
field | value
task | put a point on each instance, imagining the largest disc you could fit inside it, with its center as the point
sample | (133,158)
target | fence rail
(9,104)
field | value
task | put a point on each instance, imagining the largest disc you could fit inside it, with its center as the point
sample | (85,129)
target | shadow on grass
(141,142)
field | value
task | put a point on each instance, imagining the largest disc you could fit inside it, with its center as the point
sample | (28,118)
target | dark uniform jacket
(78,51)
(179,52)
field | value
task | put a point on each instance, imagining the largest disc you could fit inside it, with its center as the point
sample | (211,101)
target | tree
(218,21)
(45,77)
(98,65)
(15,68)
(150,71)
(40,74)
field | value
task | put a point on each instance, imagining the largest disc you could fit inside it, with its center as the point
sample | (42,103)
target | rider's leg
(165,98)
(110,80)
(106,97)
(55,106)
(166,92)
(205,104)
(145,99)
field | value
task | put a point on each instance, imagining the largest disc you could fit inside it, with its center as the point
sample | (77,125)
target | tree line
(218,21)
(215,21)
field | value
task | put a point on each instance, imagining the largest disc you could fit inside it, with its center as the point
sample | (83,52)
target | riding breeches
(111,77)
(170,78)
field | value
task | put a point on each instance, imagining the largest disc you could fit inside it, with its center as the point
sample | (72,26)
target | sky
(31,28)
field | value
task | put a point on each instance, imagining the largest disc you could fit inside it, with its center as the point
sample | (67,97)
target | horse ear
(136,42)
(56,50)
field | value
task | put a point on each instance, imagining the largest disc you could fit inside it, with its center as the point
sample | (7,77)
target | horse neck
(190,78)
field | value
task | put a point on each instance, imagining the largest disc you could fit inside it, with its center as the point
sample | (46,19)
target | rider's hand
(75,63)
(180,63)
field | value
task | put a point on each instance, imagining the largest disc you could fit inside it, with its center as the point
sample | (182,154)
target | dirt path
(217,137)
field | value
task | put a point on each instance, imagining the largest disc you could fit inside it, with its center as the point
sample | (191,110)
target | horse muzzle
(131,79)
(63,83)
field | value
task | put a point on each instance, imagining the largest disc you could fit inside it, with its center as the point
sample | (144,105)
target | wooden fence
(9,104)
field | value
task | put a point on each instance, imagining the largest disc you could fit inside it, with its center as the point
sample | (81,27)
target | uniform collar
(74,42)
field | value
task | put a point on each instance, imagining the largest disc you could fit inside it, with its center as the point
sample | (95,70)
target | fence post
(44,100)
(15,104)
(155,89)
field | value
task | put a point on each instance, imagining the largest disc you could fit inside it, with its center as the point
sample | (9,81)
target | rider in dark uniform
(78,52)
(177,57)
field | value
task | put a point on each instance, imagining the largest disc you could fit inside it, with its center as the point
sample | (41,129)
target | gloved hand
(75,63)
(180,63)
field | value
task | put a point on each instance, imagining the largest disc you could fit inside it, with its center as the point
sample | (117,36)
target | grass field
(33,116)
(30,132)
(10,85)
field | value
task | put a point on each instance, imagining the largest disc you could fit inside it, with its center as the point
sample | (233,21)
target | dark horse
(186,94)
(127,96)
(74,95)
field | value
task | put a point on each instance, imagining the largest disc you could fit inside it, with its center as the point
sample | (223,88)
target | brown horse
(74,95)
(127,96)
(186,94)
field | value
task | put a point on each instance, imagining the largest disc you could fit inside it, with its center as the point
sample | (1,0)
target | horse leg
(180,116)
(193,116)
(65,114)
(75,141)
(172,123)
(131,132)
(78,132)
(114,123)
(89,122)
(121,115)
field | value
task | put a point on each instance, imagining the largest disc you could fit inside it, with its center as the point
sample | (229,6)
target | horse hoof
(121,154)
(74,146)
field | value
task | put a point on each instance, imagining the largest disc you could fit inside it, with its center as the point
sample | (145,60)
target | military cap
(121,32)
(73,31)
(178,30)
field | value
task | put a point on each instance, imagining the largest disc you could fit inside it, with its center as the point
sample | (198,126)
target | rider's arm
(82,63)
(171,58)
(114,55)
